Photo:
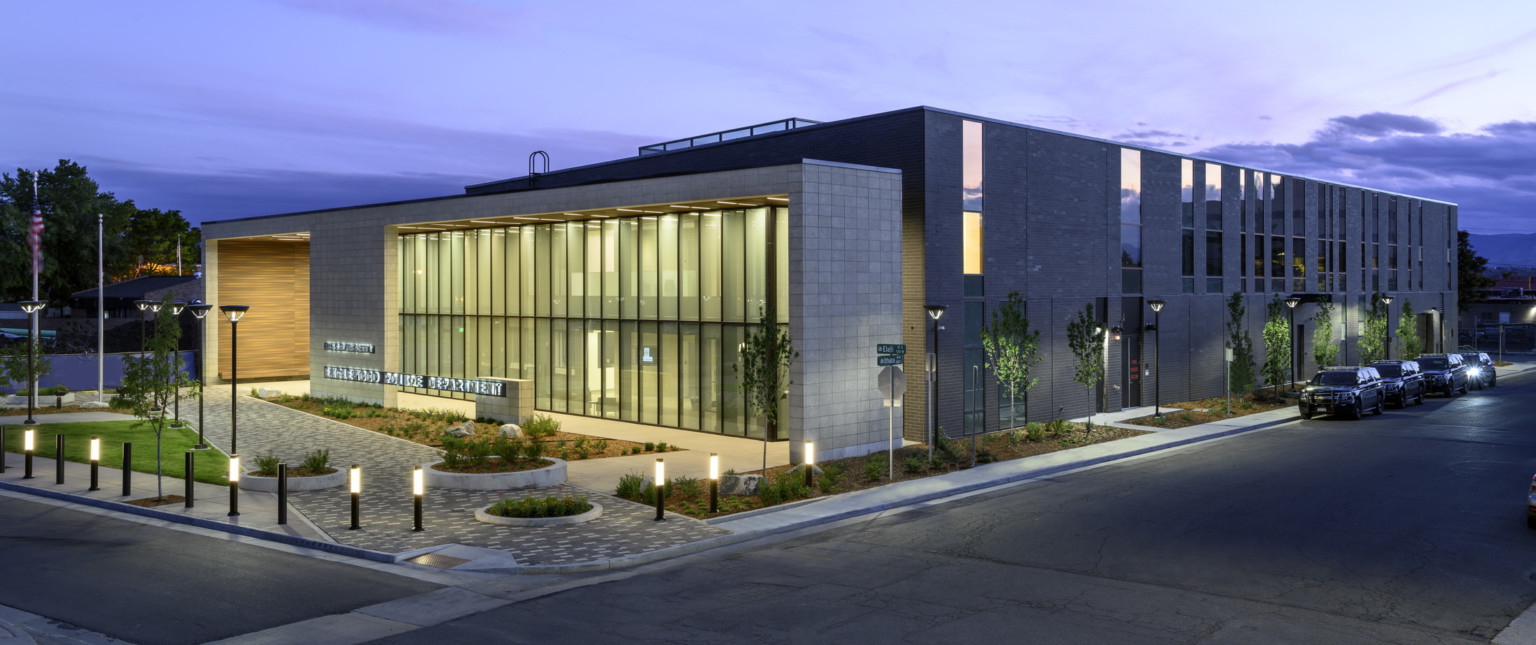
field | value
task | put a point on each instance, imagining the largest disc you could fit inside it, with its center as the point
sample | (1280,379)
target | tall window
(1276,197)
(1213,226)
(1375,252)
(1298,234)
(971,174)
(1392,243)
(1187,223)
(1242,234)
(1130,220)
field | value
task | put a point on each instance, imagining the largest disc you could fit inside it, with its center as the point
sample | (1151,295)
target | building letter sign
(459,385)
(350,348)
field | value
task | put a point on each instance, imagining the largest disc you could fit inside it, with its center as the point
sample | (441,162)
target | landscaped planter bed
(548,476)
(483,515)
(264,484)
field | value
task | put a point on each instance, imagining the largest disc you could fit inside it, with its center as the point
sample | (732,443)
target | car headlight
(1475,371)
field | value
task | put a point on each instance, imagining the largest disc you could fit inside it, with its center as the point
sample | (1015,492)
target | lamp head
(29,440)
(714,466)
(1292,302)
(661,472)
(936,311)
(355,479)
(32,306)
(418,482)
(143,304)
(234,468)
(199,310)
(177,308)
(810,453)
(155,306)
(1386,300)
(234,312)
(95,448)
(1156,305)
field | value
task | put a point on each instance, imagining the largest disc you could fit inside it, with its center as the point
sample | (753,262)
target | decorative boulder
(267,392)
(93,405)
(462,430)
(511,431)
(740,484)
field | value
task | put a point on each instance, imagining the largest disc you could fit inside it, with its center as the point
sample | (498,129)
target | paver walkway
(626,528)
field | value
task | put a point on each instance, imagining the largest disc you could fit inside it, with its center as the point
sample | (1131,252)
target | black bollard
(282,493)
(58,458)
(127,468)
(190,465)
(2,449)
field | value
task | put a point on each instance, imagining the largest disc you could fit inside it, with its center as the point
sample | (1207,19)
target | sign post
(1229,382)
(893,384)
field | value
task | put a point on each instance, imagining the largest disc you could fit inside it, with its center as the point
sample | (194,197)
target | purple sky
(250,107)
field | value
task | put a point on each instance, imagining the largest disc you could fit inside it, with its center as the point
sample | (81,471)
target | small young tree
(1325,350)
(1277,344)
(152,379)
(1408,333)
(1012,349)
(1086,338)
(1373,341)
(763,369)
(13,364)
(1241,344)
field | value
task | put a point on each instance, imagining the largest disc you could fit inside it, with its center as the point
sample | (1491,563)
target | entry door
(1130,380)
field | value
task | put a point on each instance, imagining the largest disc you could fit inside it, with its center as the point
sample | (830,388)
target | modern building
(623,289)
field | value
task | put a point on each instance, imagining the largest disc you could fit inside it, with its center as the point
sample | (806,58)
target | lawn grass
(211,467)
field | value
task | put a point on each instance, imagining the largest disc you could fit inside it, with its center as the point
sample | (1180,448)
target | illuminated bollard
(714,482)
(418,490)
(95,462)
(355,479)
(234,485)
(810,463)
(661,489)
(28,441)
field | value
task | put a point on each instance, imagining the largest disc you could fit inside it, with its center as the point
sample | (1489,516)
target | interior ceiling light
(778,199)
(733,203)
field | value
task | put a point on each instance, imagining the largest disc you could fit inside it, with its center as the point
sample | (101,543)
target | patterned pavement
(625,528)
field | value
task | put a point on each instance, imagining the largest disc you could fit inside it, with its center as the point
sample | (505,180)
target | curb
(290,540)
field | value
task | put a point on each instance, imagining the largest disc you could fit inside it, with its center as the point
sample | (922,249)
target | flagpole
(101,309)
(36,262)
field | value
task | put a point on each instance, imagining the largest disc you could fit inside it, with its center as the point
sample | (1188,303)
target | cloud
(1490,173)
(440,17)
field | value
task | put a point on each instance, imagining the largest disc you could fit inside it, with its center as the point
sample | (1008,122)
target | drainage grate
(438,561)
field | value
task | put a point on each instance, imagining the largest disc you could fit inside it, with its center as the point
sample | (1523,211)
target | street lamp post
(935,312)
(1290,305)
(1157,348)
(32,307)
(234,313)
(1387,300)
(1440,342)
(199,311)
(176,309)
(143,306)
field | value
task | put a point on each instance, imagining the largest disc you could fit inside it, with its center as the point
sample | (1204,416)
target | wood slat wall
(273,279)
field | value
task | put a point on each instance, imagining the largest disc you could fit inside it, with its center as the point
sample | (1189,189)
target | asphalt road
(145,584)
(1405,528)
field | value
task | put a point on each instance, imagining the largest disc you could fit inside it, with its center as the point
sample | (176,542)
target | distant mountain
(1515,248)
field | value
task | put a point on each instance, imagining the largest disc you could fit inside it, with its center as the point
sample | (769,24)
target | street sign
(893,382)
(888,359)
(884,348)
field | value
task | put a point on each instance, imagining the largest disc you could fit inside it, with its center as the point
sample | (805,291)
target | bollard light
(234,485)
(2,449)
(810,462)
(661,490)
(714,482)
(418,489)
(95,462)
(58,458)
(355,484)
(189,466)
(28,444)
(282,493)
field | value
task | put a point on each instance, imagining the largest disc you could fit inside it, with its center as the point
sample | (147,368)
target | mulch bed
(296,472)
(496,465)
(1192,413)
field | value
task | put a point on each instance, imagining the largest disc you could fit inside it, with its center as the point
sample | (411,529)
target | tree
(1469,271)
(1277,344)
(1373,340)
(70,201)
(1012,349)
(1408,340)
(1325,350)
(1241,344)
(13,363)
(152,379)
(763,369)
(1086,338)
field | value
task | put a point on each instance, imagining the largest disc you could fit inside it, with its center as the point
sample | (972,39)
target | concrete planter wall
(262,484)
(484,516)
(43,400)
(548,476)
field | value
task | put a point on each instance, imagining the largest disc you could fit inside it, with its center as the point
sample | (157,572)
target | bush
(629,487)
(688,486)
(1058,426)
(829,478)
(266,465)
(509,450)
(541,507)
(786,487)
(318,460)
(876,467)
(913,464)
(662,447)
(650,446)
(1034,431)
(541,426)
(944,448)
(57,390)
(338,411)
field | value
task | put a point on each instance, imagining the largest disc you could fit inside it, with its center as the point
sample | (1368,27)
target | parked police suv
(1403,381)
(1344,390)
(1444,373)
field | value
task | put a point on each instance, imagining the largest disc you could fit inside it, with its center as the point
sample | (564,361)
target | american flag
(35,232)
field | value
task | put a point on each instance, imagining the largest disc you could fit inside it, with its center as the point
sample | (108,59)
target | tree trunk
(159,487)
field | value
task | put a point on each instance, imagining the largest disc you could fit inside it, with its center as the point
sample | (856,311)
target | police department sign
(460,385)
(351,348)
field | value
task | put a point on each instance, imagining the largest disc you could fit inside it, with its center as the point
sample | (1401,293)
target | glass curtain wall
(636,319)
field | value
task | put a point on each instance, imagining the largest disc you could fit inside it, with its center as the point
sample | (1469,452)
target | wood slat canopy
(273,279)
